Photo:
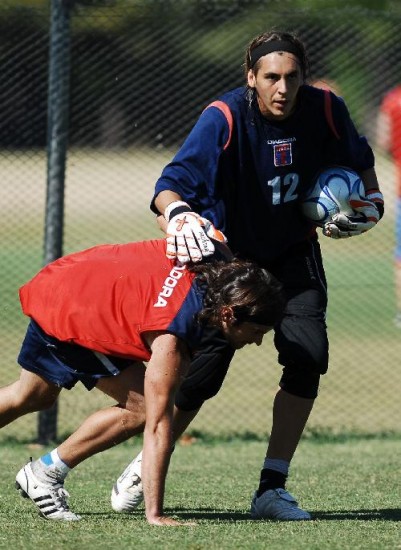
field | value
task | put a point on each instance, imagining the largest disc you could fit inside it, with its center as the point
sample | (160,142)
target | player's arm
(188,235)
(368,210)
(187,186)
(165,198)
(356,151)
(164,373)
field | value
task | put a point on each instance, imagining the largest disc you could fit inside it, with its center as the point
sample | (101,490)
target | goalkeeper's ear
(162,223)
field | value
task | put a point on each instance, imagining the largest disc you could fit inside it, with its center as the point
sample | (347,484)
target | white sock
(51,466)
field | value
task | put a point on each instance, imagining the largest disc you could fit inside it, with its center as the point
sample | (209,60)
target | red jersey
(391,107)
(105,297)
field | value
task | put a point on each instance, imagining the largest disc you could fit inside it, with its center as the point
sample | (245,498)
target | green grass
(107,198)
(343,472)
(351,487)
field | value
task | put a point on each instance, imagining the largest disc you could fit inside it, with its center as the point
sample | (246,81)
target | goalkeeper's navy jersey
(247,174)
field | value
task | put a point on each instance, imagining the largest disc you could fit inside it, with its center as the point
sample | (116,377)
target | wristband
(380,208)
(174,208)
(376,196)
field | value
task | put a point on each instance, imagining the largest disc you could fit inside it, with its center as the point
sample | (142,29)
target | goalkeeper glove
(368,211)
(188,234)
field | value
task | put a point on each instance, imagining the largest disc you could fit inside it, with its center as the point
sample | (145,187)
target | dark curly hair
(252,292)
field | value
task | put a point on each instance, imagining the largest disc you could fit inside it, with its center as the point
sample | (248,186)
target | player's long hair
(252,292)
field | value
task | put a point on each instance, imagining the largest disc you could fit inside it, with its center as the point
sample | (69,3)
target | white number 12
(284,189)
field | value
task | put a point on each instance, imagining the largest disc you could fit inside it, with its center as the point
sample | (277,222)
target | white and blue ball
(331,194)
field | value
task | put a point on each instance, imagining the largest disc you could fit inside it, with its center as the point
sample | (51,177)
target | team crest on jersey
(282,154)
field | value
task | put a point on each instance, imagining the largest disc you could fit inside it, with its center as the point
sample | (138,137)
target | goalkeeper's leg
(301,341)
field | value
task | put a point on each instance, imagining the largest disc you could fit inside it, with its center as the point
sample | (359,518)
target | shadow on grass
(184,514)
(386,514)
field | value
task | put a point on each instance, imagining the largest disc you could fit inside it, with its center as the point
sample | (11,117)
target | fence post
(57,143)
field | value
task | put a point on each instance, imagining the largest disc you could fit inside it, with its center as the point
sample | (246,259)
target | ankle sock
(273,475)
(50,467)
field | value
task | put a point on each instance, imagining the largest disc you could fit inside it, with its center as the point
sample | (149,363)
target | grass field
(107,197)
(351,488)
(347,469)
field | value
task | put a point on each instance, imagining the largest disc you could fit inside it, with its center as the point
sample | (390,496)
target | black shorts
(300,337)
(66,364)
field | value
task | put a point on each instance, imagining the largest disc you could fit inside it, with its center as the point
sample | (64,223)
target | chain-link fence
(141,73)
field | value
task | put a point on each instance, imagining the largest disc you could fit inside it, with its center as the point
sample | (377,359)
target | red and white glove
(188,234)
(368,211)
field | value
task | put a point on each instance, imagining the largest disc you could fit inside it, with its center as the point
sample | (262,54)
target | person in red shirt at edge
(388,139)
(96,315)
(250,157)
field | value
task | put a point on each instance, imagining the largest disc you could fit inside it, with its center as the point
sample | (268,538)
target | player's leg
(290,414)
(102,429)
(39,383)
(112,425)
(204,379)
(397,263)
(43,479)
(30,393)
(42,378)
(397,277)
(301,341)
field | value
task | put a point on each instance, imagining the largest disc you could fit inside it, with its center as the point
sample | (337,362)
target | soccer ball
(331,193)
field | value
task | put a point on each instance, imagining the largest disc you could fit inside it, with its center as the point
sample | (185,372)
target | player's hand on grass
(165,521)
(188,234)
(368,211)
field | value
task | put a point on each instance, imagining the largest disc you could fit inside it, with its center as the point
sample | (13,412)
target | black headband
(273,46)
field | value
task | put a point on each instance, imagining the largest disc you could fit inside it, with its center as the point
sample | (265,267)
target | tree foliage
(154,64)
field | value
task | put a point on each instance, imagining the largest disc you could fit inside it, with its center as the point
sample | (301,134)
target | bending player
(96,315)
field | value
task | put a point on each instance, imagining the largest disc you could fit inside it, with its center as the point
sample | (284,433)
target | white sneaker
(127,492)
(50,498)
(277,504)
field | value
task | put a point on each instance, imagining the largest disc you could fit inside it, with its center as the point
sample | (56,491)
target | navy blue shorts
(65,364)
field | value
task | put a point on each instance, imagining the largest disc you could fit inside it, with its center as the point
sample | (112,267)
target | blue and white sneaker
(127,492)
(50,498)
(277,504)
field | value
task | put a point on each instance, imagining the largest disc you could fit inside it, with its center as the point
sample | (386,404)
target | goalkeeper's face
(242,334)
(276,79)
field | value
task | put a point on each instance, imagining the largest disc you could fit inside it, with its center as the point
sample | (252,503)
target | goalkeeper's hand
(368,211)
(188,234)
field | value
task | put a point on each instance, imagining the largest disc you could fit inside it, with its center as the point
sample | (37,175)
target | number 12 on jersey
(284,189)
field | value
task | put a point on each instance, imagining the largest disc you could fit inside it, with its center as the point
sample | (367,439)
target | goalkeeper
(96,315)
(251,156)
